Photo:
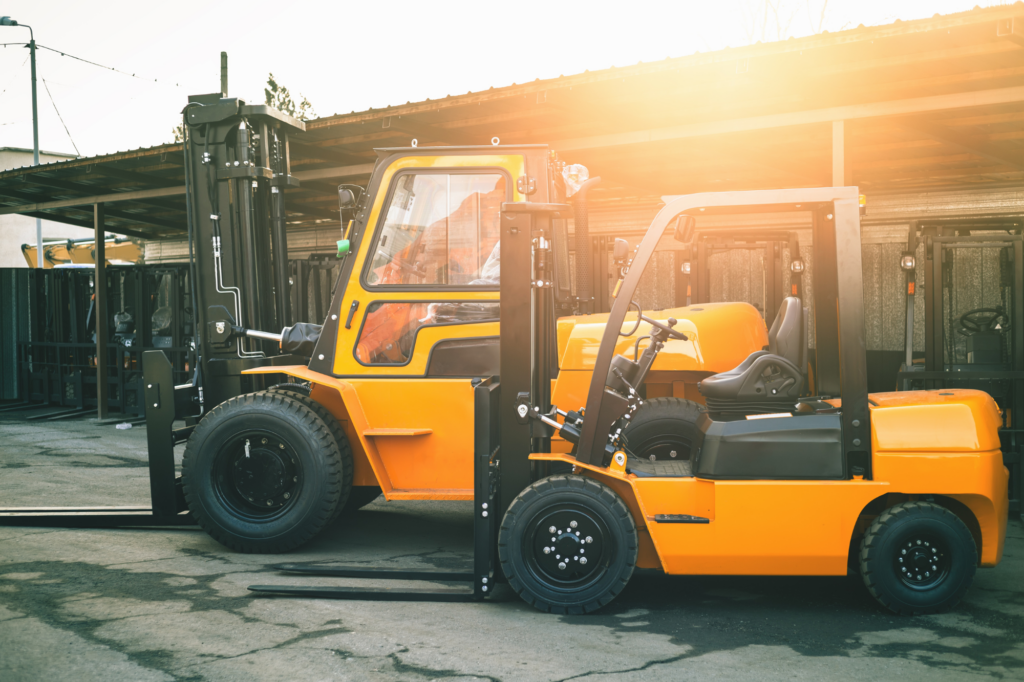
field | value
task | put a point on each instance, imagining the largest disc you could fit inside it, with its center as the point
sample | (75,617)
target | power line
(45,85)
(106,68)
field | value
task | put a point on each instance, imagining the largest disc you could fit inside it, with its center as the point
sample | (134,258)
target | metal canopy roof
(929,104)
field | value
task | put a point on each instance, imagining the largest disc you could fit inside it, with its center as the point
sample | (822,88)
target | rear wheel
(918,558)
(663,428)
(568,544)
(263,473)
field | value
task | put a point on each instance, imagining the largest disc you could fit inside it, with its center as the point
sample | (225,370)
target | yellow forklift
(433,374)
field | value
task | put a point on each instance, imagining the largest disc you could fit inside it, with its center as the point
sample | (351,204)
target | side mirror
(621,250)
(685,225)
(346,198)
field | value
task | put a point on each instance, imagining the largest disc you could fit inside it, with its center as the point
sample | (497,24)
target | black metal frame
(939,236)
(841,369)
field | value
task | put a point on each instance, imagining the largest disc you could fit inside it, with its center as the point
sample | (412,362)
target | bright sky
(352,56)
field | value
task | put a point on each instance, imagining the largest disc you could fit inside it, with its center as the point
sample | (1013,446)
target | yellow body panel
(722,335)
(773,527)
(410,437)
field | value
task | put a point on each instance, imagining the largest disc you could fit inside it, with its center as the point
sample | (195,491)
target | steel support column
(100,310)
(838,154)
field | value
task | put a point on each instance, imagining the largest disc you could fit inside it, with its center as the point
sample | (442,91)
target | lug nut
(572,524)
(583,560)
(547,550)
(287,496)
(562,565)
(270,503)
(552,529)
(281,446)
(589,540)
(264,441)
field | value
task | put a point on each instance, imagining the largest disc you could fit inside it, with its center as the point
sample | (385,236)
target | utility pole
(7,21)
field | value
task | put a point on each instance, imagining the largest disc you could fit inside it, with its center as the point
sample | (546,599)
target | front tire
(568,544)
(663,429)
(263,473)
(918,558)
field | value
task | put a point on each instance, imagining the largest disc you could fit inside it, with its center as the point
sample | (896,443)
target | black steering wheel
(670,333)
(984,319)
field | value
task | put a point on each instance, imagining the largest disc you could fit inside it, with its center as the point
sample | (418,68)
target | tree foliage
(277,96)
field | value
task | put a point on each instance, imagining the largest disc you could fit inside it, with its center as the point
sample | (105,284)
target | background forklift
(910,487)
(971,341)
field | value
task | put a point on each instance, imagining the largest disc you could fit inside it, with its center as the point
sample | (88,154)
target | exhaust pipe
(584,257)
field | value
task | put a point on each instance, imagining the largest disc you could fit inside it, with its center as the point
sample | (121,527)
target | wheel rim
(567,547)
(257,475)
(664,447)
(922,560)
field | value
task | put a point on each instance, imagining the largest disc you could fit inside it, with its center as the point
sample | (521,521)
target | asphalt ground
(173,605)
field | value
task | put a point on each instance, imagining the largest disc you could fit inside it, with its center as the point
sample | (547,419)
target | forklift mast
(236,170)
(695,285)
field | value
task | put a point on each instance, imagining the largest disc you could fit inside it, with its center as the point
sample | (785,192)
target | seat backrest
(788,335)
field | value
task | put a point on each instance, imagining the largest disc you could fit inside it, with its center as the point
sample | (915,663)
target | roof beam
(88,223)
(85,201)
(966,143)
(137,195)
(903,107)
(82,187)
(336,172)
(147,180)
(312,151)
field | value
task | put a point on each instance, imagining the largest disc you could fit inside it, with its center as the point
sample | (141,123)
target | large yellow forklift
(413,321)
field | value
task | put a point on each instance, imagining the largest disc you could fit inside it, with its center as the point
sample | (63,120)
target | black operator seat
(777,375)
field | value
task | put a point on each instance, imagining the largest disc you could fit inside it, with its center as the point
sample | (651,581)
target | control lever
(671,333)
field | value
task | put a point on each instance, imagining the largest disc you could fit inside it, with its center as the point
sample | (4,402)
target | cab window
(389,332)
(440,229)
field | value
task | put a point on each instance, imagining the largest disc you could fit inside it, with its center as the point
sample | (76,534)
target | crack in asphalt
(645,666)
(432,673)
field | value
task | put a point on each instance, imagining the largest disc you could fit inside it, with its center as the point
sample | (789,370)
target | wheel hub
(921,562)
(568,546)
(260,474)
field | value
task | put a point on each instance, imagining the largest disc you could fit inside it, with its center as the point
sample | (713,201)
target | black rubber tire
(344,446)
(616,547)
(361,496)
(314,448)
(905,525)
(662,426)
(293,387)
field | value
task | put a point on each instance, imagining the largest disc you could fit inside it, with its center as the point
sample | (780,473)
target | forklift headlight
(574,175)
(907,262)
(796,266)
(686,268)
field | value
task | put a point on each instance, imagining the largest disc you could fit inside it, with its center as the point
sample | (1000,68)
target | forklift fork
(486,508)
